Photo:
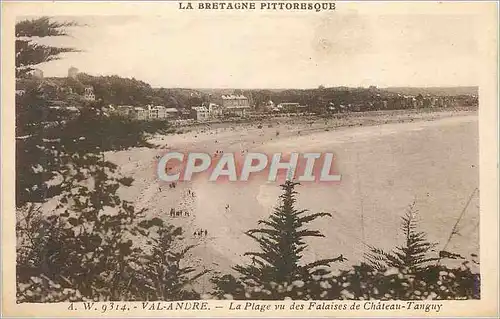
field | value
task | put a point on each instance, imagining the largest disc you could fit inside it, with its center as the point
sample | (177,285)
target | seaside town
(96,220)
(74,92)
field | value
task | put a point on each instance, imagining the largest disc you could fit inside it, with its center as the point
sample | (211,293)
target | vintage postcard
(249,159)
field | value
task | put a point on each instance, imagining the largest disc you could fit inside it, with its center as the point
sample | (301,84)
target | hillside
(441,91)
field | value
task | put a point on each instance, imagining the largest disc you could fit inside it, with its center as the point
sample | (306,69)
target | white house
(214,110)
(237,110)
(156,112)
(199,113)
(89,94)
(235,104)
(234,100)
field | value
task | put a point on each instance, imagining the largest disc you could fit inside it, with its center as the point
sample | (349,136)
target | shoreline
(275,128)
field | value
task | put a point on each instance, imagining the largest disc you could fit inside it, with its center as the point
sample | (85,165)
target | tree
(28,52)
(31,108)
(413,255)
(407,272)
(37,158)
(163,276)
(88,243)
(281,241)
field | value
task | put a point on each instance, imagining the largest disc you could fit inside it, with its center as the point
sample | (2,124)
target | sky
(294,50)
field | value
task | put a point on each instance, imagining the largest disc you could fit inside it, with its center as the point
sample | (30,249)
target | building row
(229,105)
(150,112)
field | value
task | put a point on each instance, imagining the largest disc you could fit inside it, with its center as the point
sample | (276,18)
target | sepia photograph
(249,151)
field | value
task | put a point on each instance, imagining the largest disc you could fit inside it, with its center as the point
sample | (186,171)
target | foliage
(70,258)
(361,282)
(35,290)
(162,275)
(435,282)
(403,274)
(87,243)
(413,255)
(86,246)
(281,240)
(30,53)
(42,27)
(117,90)
(58,148)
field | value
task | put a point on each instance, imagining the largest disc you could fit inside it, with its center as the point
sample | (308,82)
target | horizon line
(284,88)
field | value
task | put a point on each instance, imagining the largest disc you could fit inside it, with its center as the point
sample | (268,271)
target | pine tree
(30,53)
(282,241)
(163,276)
(87,242)
(412,256)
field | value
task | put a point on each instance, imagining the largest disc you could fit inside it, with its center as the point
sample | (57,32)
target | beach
(429,161)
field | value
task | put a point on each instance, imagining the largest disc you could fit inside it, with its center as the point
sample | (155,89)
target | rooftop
(199,108)
(234,97)
(171,110)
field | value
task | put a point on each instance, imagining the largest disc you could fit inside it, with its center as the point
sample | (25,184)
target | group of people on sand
(178,213)
(200,233)
(218,152)
(171,185)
